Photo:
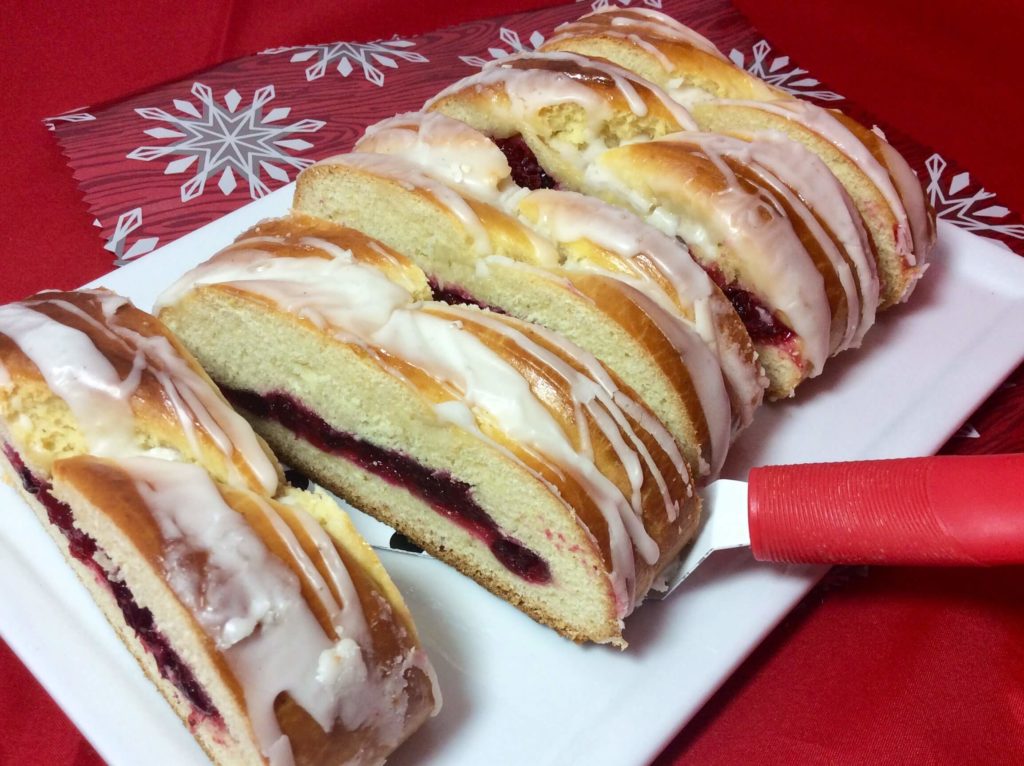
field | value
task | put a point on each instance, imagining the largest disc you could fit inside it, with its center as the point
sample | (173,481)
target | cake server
(945,510)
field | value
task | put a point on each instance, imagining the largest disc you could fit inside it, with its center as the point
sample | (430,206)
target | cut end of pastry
(361,683)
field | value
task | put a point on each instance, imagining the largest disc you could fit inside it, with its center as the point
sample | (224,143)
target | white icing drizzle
(806,174)
(406,172)
(434,143)
(249,602)
(650,48)
(605,404)
(78,372)
(646,34)
(456,356)
(329,292)
(820,121)
(429,140)
(432,139)
(638,31)
(909,188)
(569,216)
(657,24)
(596,372)
(779,167)
(530,90)
(447,149)
(767,252)
(337,252)
(489,383)
(412,178)
(704,368)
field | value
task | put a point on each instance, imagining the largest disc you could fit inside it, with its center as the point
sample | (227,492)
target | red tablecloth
(886,666)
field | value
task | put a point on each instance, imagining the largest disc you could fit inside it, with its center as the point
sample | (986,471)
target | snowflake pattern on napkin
(780,73)
(214,139)
(221,139)
(369,56)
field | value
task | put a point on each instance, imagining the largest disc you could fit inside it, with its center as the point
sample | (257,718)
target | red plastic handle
(933,510)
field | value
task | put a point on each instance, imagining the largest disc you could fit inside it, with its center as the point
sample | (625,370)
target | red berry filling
(442,492)
(84,548)
(526,170)
(762,326)
(454,295)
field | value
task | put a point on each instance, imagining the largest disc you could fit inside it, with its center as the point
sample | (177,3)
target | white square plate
(515,692)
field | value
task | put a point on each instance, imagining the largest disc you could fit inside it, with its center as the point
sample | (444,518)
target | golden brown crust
(639,42)
(906,274)
(331,191)
(629,45)
(732,339)
(108,490)
(669,535)
(834,290)
(370,494)
(378,395)
(156,414)
(558,128)
(616,301)
(682,179)
(302,235)
(552,388)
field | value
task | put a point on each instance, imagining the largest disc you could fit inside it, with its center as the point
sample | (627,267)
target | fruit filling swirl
(140,619)
(602,411)
(762,325)
(526,168)
(456,295)
(779,171)
(448,496)
(118,351)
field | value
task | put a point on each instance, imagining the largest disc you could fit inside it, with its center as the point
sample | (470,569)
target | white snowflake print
(958,204)
(776,73)
(600,5)
(214,139)
(511,39)
(967,431)
(126,224)
(369,56)
(78,114)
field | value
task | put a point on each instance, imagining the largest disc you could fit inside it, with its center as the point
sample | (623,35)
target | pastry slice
(687,65)
(268,625)
(592,236)
(274,640)
(496,445)
(726,99)
(881,184)
(476,253)
(87,372)
(742,226)
(555,112)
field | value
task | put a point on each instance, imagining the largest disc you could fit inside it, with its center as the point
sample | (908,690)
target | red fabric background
(885,666)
